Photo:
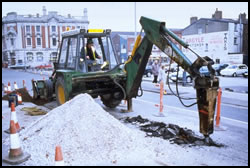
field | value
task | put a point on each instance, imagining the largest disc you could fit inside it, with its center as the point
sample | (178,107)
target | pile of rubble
(26,97)
(171,132)
(88,135)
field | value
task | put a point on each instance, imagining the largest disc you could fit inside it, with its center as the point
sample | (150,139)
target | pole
(218,108)
(161,97)
(135,22)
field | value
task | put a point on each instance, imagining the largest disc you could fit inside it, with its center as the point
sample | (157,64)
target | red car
(49,66)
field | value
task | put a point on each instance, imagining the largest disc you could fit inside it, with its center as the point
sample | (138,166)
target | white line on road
(177,108)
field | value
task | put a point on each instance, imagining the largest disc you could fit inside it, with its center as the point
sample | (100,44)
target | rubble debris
(26,97)
(33,111)
(172,132)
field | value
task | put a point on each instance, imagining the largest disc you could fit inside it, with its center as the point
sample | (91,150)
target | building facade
(220,39)
(34,40)
(124,43)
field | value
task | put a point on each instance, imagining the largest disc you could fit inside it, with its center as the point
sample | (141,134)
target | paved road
(234,112)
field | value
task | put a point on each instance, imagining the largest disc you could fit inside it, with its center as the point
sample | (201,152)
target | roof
(13,17)
(224,20)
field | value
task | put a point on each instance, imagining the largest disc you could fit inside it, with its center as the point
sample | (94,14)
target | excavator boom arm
(206,87)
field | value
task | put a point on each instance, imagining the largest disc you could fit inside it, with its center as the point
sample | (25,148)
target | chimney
(193,19)
(85,14)
(69,16)
(37,15)
(217,14)
(242,18)
(44,11)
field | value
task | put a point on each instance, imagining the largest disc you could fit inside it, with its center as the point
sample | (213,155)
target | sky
(120,16)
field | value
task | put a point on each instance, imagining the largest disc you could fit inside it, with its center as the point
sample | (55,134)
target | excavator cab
(73,51)
(74,72)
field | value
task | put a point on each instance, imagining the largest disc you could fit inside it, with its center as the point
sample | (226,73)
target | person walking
(162,77)
(155,70)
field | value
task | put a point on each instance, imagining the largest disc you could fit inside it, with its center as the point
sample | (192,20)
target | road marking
(179,109)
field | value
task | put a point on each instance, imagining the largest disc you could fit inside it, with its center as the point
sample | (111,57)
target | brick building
(33,40)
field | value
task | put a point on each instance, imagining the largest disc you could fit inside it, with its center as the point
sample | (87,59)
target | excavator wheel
(49,86)
(60,91)
(110,101)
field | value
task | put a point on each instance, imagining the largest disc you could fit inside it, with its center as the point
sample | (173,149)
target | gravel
(88,135)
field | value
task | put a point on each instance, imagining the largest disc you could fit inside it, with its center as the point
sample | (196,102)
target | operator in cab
(91,53)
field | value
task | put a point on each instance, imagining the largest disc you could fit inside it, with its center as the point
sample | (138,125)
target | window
(39,56)
(19,61)
(38,29)
(54,41)
(235,40)
(30,57)
(200,31)
(109,51)
(206,50)
(28,41)
(53,28)
(242,67)
(72,53)
(63,52)
(78,27)
(12,41)
(235,27)
(38,41)
(28,28)
(217,61)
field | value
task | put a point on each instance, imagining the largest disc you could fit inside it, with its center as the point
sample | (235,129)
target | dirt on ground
(26,97)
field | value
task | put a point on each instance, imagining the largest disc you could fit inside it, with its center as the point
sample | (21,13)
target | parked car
(173,67)
(148,71)
(204,70)
(173,76)
(45,66)
(245,74)
(234,70)
(218,68)
(19,66)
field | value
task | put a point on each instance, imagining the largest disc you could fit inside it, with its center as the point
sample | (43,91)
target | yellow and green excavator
(114,81)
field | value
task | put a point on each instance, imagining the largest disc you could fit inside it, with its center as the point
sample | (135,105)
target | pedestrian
(162,77)
(155,70)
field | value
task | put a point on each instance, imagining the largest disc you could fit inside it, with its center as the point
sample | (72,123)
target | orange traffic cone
(24,85)
(16,155)
(14,118)
(5,89)
(9,88)
(59,157)
(15,86)
(19,99)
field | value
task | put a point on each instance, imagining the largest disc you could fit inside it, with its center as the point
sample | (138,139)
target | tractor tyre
(110,101)
(49,86)
(60,91)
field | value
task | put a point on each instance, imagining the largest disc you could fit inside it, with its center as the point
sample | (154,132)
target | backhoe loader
(114,81)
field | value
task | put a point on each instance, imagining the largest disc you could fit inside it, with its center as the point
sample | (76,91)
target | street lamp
(135,22)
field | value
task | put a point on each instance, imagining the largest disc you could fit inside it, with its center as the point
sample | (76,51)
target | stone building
(223,40)
(33,40)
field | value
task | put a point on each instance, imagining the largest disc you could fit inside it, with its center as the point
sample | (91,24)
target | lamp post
(135,22)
